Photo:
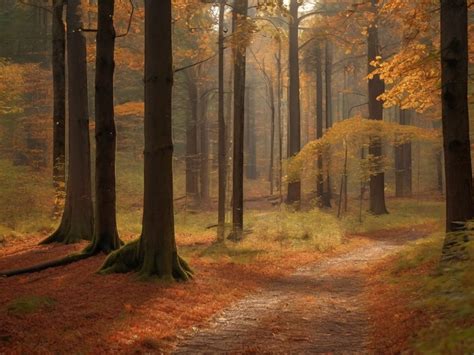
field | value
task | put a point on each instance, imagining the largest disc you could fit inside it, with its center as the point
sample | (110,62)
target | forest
(236,176)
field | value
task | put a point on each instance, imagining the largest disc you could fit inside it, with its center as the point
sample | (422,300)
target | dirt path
(319,309)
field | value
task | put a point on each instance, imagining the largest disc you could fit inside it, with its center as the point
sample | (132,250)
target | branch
(194,64)
(129,21)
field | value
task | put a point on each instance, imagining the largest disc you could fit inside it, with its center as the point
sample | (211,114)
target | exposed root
(130,258)
(99,245)
(66,235)
(49,264)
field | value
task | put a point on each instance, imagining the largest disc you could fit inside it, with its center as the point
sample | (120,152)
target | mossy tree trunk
(155,253)
(77,220)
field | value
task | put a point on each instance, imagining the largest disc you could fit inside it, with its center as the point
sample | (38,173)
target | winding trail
(318,309)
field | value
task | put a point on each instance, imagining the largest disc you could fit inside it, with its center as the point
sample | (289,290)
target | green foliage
(29,304)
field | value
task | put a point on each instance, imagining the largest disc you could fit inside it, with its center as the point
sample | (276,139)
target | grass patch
(402,213)
(447,294)
(29,304)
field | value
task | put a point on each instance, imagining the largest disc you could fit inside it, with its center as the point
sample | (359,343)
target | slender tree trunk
(240,13)
(271,175)
(280,122)
(250,137)
(329,113)
(155,253)
(204,154)
(105,233)
(403,163)
(222,161)
(376,88)
(294,188)
(192,177)
(59,104)
(319,124)
(455,115)
(77,220)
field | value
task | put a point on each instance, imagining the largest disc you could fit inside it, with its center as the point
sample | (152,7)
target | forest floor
(303,302)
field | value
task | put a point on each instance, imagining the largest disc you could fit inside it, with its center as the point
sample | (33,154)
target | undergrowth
(447,294)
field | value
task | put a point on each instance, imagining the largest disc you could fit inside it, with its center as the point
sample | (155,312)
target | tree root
(46,265)
(130,258)
(65,235)
(99,245)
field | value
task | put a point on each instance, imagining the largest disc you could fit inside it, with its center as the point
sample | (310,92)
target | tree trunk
(319,123)
(204,153)
(105,232)
(222,161)
(403,162)
(192,175)
(376,88)
(59,102)
(250,137)
(455,115)
(77,220)
(280,121)
(328,77)
(294,187)
(239,18)
(271,175)
(155,253)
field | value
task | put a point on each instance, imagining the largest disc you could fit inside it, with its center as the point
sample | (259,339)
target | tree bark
(376,88)
(77,220)
(455,115)
(250,137)
(403,162)
(319,123)
(105,231)
(204,153)
(294,188)
(59,102)
(192,171)
(239,18)
(155,253)
(329,113)
(222,161)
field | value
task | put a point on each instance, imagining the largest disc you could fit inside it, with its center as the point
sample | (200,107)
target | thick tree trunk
(403,162)
(294,187)
(59,102)
(105,232)
(240,13)
(155,253)
(222,161)
(455,115)
(376,88)
(77,219)
(319,123)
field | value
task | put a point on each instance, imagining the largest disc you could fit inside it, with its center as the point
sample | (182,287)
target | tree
(155,254)
(319,122)
(376,88)
(294,187)
(105,227)
(59,97)
(455,118)
(329,114)
(222,163)
(240,45)
(403,168)
(77,220)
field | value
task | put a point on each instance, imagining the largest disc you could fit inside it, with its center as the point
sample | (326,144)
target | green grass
(448,293)
(402,213)
(29,304)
